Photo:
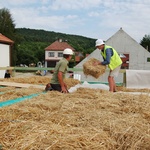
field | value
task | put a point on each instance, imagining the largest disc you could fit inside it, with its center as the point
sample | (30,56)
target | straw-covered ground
(88,119)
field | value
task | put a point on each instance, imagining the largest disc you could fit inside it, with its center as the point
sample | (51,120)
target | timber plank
(21,85)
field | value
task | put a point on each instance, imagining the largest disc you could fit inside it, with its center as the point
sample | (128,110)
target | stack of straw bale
(94,70)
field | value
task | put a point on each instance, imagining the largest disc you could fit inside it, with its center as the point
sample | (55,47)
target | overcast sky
(89,18)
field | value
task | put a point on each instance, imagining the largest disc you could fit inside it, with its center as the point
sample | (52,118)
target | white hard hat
(99,42)
(68,51)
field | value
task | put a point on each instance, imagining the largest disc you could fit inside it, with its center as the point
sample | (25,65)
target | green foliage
(31,52)
(72,62)
(1,147)
(33,42)
(7,26)
(145,42)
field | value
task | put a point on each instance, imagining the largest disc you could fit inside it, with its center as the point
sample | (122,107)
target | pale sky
(89,18)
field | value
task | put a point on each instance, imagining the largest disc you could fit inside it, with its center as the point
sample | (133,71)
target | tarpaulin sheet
(138,79)
(87,85)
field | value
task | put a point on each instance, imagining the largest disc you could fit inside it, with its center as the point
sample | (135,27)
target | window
(60,54)
(51,54)
(148,59)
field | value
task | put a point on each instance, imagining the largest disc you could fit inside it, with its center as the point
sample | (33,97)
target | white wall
(4,58)
(138,55)
(55,55)
(95,54)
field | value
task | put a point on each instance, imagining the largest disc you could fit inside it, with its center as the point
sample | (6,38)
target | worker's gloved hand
(96,63)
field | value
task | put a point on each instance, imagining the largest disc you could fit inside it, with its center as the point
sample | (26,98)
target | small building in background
(54,52)
(5,53)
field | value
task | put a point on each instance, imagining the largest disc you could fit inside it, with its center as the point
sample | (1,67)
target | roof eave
(7,42)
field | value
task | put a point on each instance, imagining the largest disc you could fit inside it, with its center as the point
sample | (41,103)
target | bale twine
(90,69)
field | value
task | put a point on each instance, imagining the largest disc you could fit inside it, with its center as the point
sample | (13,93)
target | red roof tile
(77,58)
(58,46)
(87,55)
(4,39)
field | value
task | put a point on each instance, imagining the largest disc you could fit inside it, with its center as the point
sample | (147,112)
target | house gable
(58,46)
(121,40)
(5,40)
(95,54)
(125,44)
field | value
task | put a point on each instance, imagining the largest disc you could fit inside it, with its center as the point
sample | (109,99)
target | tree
(145,42)
(7,26)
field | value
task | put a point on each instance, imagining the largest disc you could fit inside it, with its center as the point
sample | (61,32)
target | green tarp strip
(13,101)
(2,93)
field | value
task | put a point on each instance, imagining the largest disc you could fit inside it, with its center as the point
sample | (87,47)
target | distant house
(133,55)
(54,52)
(5,53)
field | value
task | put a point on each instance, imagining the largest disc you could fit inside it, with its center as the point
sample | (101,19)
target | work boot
(48,87)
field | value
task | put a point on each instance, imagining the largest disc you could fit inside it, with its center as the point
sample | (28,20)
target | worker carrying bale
(95,71)
(112,59)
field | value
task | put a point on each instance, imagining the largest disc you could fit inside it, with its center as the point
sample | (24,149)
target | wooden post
(124,78)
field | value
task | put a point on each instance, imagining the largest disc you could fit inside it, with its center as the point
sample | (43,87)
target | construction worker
(112,59)
(57,81)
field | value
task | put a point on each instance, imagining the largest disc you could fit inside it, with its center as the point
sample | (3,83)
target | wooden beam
(7,68)
(21,85)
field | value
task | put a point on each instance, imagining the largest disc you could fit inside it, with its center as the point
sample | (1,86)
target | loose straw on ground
(86,119)
(97,120)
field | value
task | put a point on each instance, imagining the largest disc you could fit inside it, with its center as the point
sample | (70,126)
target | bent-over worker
(57,82)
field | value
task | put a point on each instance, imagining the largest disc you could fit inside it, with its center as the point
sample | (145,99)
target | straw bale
(5,89)
(86,119)
(40,80)
(12,93)
(71,82)
(30,80)
(90,69)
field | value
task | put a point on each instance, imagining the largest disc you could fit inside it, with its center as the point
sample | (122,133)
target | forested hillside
(31,44)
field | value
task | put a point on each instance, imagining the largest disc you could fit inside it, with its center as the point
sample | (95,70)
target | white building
(5,53)
(134,56)
(54,52)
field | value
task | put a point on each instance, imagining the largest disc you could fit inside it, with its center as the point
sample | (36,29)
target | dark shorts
(56,87)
